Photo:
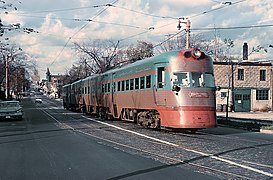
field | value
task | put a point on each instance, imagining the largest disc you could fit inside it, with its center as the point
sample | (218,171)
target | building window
(262,94)
(262,75)
(241,74)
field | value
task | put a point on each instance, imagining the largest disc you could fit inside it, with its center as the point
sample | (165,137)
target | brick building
(54,84)
(245,86)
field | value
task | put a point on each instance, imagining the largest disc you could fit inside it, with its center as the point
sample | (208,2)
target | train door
(113,95)
(159,86)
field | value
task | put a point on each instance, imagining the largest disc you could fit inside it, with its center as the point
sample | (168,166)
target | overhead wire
(65,9)
(233,27)
(99,13)
(190,17)
(119,24)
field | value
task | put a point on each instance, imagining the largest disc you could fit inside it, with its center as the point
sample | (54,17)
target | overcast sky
(62,22)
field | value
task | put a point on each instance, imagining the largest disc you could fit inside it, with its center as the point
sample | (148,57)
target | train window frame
(114,87)
(148,81)
(122,85)
(132,84)
(127,85)
(119,85)
(137,83)
(108,87)
(105,86)
(160,77)
(142,82)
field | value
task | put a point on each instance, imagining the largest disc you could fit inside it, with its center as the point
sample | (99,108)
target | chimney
(245,51)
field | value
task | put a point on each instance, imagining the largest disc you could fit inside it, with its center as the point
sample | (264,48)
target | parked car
(10,110)
(38,100)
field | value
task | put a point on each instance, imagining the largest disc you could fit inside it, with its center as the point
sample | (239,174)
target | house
(54,84)
(244,86)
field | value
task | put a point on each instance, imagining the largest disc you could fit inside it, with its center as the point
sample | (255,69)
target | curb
(266,131)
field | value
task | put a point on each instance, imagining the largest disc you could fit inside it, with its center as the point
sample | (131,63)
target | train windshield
(193,79)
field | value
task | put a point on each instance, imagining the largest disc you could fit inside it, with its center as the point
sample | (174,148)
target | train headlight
(196,53)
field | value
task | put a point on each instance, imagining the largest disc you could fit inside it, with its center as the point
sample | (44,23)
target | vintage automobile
(38,100)
(10,110)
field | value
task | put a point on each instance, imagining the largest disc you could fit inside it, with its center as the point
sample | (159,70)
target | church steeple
(48,75)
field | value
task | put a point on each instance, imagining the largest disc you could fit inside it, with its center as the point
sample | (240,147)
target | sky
(60,23)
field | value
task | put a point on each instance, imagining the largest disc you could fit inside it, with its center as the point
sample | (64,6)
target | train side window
(142,82)
(160,77)
(136,83)
(105,88)
(122,85)
(114,87)
(148,81)
(108,90)
(119,86)
(127,85)
(131,84)
(102,87)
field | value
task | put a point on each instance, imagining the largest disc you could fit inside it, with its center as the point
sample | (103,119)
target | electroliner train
(173,90)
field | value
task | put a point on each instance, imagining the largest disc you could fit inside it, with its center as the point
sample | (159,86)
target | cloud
(58,30)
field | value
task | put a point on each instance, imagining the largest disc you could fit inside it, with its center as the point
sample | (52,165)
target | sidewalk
(248,115)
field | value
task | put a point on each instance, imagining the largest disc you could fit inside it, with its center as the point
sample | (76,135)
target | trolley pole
(188,26)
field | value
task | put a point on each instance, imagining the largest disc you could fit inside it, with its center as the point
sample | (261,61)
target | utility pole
(6,86)
(7,73)
(188,26)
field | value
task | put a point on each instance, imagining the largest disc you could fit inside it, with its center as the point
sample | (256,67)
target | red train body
(172,90)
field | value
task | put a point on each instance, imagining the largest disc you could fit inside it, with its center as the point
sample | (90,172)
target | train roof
(161,58)
(164,57)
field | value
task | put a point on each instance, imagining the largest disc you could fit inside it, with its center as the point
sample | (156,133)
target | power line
(99,13)
(66,9)
(88,20)
(227,4)
(170,37)
(144,13)
(233,27)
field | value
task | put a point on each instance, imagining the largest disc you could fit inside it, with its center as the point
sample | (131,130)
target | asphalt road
(40,147)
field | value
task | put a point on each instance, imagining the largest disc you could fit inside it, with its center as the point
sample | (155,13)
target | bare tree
(74,73)
(13,61)
(96,56)
(139,51)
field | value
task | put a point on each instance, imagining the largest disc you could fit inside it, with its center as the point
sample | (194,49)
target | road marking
(189,150)
(171,144)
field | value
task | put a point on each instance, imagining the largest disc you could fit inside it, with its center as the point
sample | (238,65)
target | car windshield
(193,79)
(8,105)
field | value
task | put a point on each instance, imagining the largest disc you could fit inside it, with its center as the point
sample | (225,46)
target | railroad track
(173,149)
